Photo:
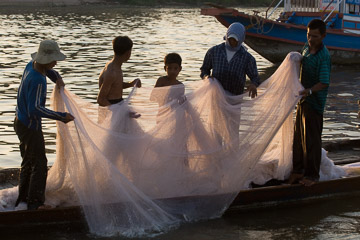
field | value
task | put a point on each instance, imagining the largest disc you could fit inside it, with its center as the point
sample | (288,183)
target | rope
(257,23)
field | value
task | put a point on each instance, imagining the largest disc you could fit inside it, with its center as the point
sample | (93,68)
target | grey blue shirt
(231,75)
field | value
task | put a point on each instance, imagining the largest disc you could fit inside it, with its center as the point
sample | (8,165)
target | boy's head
(122,45)
(316,32)
(172,58)
(172,63)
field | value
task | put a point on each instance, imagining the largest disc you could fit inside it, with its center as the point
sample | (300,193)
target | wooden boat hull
(273,40)
(278,195)
(247,199)
(69,216)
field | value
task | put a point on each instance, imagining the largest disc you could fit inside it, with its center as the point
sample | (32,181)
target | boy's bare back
(110,84)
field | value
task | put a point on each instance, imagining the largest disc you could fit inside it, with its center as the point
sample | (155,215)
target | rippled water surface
(85,34)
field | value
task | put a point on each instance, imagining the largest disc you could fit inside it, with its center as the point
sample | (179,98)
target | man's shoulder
(111,72)
(29,64)
(33,76)
(111,66)
(161,81)
(249,55)
(217,47)
(324,53)
(243,53)
(29,69)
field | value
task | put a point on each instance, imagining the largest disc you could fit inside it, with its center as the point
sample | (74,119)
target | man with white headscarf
(230,62)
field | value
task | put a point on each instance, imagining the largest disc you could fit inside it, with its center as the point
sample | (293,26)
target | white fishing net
(186,158)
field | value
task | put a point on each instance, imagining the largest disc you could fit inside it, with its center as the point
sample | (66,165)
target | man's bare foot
(295,177)
(307,182)
(44,207)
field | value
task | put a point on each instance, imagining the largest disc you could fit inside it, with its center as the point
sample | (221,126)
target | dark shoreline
(136,3)
(89,8)
(194,3)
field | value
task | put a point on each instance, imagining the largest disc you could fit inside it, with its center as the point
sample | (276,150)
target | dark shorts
(115,101)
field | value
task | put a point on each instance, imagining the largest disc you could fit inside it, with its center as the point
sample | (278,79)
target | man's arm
(207,65)
(136,82)
(55,77)
(324,79)
(104,91)
(36,104)
(317,87)
(252,73)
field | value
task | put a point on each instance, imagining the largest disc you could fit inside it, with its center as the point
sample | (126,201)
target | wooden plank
(285,193)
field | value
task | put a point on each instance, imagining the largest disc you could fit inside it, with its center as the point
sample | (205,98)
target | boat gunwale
(219,13)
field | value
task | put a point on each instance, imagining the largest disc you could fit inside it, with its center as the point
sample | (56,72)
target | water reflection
(85,35)
(341,120)
(334,219)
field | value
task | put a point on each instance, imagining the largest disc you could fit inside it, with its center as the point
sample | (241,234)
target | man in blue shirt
(315,77)
(230,62)
(30,109)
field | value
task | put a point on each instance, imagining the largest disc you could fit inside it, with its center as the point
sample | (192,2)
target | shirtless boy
(172,67)
(111,81)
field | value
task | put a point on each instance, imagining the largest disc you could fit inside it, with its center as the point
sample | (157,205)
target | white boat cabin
(338,14)
(337,6)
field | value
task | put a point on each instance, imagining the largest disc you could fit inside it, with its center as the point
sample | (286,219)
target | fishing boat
(273,194)
(275,38)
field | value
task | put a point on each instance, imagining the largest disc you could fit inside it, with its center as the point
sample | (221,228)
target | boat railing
(277,5)
(301,5)
(331,10)
(295,6)
(328,6)
(316,6)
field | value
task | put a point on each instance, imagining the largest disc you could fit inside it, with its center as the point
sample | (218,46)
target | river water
(85,34)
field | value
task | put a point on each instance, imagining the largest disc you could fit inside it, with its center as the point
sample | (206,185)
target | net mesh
(184,159)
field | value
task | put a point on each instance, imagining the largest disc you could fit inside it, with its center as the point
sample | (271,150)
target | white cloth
(229,54)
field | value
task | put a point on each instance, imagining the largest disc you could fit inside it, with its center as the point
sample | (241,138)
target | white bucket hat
(48,52)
